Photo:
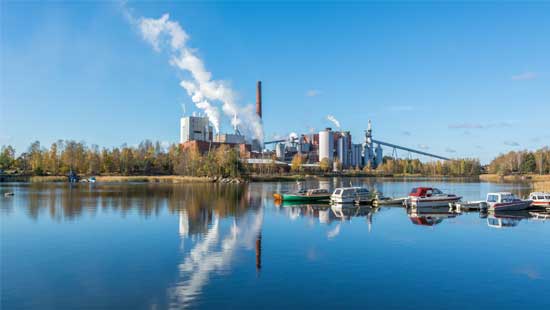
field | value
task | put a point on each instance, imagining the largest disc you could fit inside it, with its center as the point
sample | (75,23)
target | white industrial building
(195,128)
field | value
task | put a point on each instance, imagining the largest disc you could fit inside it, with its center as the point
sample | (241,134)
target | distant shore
(539,182)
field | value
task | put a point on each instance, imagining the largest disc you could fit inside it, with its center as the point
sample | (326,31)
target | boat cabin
(317,191)
(501,197)
(424,192)
(539,196)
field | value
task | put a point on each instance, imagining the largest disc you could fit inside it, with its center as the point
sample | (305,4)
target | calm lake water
(158,246)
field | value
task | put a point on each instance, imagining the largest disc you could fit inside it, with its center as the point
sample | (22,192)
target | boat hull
(511,206)
(291,197)
(545,204)
(426,202)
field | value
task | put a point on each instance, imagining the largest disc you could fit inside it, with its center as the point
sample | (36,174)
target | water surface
(157,246)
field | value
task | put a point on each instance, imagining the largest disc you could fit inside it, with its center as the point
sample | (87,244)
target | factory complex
(333,147)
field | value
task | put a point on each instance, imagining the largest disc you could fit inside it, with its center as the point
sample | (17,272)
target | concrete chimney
(259,99)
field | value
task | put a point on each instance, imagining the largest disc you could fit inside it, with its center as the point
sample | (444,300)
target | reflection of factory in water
(209,242)
(331,146)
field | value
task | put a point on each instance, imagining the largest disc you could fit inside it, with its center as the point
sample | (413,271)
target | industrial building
(195,128)
(337,146)
(328,145)
(196,133)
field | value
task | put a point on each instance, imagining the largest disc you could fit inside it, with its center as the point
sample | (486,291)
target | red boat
(430,197)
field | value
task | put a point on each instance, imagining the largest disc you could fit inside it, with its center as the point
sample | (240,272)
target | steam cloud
(333,120)
(163,33)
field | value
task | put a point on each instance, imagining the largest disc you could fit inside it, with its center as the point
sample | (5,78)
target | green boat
(317,194)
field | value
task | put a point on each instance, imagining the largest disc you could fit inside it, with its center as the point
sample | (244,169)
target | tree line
(147,158)
(521,162)
(151,158)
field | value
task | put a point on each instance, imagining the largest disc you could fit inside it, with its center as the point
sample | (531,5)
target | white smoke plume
(162,33)
(333,120)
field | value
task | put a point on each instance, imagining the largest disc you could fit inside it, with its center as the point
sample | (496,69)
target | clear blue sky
(457,79)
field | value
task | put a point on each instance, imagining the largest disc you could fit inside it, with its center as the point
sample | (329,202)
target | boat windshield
(413,191)
(337,192)
(437,191)
(348,191)
(492,198)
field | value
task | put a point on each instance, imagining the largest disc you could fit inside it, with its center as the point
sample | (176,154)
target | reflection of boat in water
(505,201)
(310,195)
(430,197)
(504,219)
(345,212)
(543,216)
(430,216)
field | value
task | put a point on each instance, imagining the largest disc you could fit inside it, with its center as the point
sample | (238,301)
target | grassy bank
(539,182)
(155,179)
(515,178)
(121,179)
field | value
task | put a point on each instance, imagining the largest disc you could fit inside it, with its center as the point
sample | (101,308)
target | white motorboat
(540,199)
(506,201)
(430,197)
(357,195)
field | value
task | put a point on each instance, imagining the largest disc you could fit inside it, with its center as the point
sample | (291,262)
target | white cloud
(525,76)
(313,93)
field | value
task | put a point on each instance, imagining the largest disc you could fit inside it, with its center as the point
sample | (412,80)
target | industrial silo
(280,151)
(343,149)
(326,144)
(379,155)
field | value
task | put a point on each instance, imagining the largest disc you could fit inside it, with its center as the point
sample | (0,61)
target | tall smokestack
(259,99)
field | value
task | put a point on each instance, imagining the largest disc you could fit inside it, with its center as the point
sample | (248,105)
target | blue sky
(456,79)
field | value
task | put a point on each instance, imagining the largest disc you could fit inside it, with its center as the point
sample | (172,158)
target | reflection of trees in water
(71,202)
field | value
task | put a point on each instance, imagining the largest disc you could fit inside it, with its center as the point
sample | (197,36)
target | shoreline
(538,182)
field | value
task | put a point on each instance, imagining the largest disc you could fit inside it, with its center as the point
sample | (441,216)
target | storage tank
(280,151)
(326,143)
(379,156)
(355,158)
(343,150)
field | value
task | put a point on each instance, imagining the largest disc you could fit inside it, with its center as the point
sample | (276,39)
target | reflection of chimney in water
(259,252)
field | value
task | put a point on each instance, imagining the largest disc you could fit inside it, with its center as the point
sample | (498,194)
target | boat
(9,194)
(506,201)
(354,194)
(317,194)
(430,197)
(540,199)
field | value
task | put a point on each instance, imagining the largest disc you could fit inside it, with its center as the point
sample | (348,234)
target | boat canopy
(424,191)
